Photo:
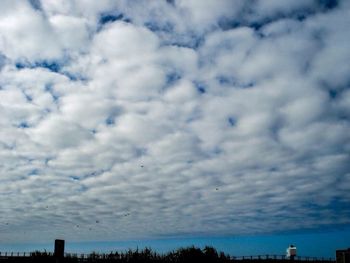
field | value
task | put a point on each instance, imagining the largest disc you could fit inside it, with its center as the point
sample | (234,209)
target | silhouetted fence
(147,255)
(282,257)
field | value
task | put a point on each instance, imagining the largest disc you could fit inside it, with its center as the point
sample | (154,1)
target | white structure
(291,252)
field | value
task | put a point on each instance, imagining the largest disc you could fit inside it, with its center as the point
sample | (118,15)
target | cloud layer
(135,119)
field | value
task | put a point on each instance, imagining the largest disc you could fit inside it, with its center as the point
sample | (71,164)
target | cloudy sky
(124,120)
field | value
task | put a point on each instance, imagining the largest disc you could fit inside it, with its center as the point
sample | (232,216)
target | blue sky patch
(36,4)
(74,76)
(23,125)
(53,66)
(74,178)
(225,80)
(28,97)
(110,17)
(232,121)
(332,93)
(169,38)
(49,89)
(110,121)
(328,4)
(50,65)
(232,81)
(200,87)
(21,65)
(228,24)
(172,78)
(155,27)
(171,2)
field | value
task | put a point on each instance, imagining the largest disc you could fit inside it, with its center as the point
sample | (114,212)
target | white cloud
(269,8)
(206,13)
(162,119)
(124,41)
(72,31)
(22,29)
(59,133)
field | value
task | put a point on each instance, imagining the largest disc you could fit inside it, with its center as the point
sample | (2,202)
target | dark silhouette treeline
(147,255)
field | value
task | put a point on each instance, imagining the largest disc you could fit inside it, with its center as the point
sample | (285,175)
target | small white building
(291,252)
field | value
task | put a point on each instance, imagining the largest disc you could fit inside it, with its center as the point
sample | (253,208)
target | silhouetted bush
(182,255)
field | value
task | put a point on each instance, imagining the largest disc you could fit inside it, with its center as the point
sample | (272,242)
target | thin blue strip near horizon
(313,244)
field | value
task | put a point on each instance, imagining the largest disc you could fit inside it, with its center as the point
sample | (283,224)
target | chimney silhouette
(59,248)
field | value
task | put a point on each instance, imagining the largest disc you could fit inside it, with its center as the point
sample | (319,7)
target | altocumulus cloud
(145,119)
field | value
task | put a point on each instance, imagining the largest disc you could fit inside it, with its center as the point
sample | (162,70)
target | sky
(179,121)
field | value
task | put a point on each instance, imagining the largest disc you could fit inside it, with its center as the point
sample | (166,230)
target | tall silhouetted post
(59,250)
